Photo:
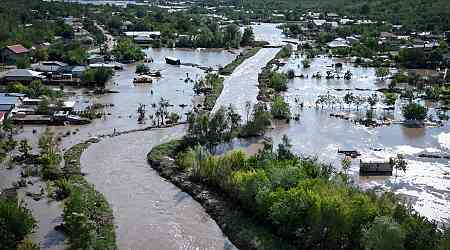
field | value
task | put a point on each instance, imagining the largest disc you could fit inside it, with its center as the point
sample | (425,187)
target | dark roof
(17,49)
(6,107)
(8,100)
(22,73)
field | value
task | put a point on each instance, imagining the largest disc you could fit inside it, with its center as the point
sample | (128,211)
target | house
(94,58)
(338,43)
(22,75)
(11,53)
(73,71)
(329,26)
(318,23)
(332,17)
(48,66)
(375,166)
(143,36)
(387,36)
(8,102)
(352,40)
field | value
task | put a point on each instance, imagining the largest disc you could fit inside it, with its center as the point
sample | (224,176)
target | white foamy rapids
(444,140)
(427,184)
(407,150)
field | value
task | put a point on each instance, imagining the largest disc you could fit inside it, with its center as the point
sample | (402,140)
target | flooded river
(153,214)
(123,116)
(149,212)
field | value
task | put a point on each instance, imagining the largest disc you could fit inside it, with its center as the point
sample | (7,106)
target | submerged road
(242,85)
(150,213)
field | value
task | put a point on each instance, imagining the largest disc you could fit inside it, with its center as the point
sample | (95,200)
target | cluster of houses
(23,110)
(313,24)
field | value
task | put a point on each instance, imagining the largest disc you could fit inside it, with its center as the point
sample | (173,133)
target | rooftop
(17,49)
(22,73)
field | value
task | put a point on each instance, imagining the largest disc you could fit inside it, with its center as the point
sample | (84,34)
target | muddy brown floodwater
(150,213)
(426,183)
(123,116)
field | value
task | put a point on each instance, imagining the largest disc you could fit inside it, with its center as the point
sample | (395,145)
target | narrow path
(242,85)
(150,213)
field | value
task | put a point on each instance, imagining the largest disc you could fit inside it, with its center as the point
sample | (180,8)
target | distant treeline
(414,14)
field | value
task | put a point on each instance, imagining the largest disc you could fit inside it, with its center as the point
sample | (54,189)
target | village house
(144,37)
(10,54)
(338,43)
(48,66)
(22,75)
(332,17)
(73,71)
(9,101)
(373,166)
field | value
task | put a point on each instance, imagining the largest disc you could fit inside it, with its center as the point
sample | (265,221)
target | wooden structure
(373,166)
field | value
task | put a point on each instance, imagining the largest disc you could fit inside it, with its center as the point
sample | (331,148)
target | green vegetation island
(53,52)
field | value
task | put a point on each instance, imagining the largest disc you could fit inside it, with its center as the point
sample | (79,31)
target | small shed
(375,166)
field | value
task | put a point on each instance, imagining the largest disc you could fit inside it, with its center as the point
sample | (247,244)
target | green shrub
(16,222)
(280,109)
(278,81)
(414,111)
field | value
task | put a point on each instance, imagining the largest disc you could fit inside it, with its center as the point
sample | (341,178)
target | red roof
(18,49)
(2,116)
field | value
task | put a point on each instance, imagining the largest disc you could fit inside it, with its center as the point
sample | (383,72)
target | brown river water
(153,214)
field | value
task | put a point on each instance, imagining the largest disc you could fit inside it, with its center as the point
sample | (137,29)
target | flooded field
(149,212)
(426,182)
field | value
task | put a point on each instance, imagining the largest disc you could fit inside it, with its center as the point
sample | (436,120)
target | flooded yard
(426,182)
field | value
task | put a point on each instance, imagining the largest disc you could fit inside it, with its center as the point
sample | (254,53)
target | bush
(97,77)
(280,109)
(259,122)
(414,111)
(278,81)
(16,222)
(390,98)
(142,69)
(127,51)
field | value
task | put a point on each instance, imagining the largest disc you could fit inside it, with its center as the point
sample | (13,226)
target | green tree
(8,126)
(278,81)
(248,37)
(23,62)
(414,111)
(280,109)
(25,147)
(382,72)
(40,55)
(384,233)
(232,36)
(259,122)
(16,222)
(97,76)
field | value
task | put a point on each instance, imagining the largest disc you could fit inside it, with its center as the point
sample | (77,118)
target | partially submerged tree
(414,111)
